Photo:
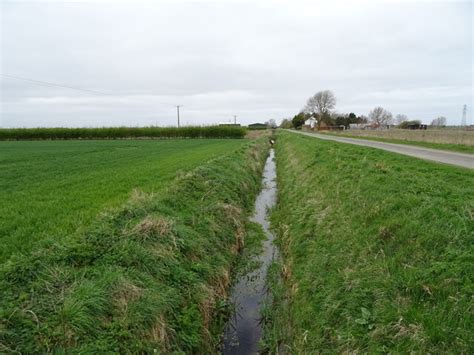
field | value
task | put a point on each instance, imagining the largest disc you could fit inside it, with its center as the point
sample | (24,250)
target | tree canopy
(380,116)
(322,103)
(439,122)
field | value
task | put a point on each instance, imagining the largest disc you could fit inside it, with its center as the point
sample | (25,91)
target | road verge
(376,250)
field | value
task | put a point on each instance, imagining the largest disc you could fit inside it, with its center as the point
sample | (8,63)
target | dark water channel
(248,295)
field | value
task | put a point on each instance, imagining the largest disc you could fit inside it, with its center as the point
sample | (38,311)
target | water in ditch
(244,329)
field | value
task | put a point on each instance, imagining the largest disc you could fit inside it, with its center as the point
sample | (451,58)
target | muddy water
(244,329)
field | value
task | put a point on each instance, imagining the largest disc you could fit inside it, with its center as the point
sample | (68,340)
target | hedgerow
(121,132)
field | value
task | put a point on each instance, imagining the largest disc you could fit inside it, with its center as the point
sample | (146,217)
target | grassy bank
(121,132)
(147,277)
(52,188)
(461,141)
(377,252)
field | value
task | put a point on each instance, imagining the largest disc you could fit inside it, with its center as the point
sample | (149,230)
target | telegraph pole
(235,119)
(177,110)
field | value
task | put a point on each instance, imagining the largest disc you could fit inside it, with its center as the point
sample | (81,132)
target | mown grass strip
(377,252)
(147,277)
(121,132)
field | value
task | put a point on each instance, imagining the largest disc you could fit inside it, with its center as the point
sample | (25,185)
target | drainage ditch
(244,329)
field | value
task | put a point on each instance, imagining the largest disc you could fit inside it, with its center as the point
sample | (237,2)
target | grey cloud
(258,60)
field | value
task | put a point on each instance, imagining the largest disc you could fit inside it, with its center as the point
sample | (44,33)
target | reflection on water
(244,329)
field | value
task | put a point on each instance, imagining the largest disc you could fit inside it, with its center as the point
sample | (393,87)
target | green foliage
(299,119)
(346,120)
(52,188)
(406,124)
(377,252)
(122,132)
(327,119)
(365,318)
(145,277)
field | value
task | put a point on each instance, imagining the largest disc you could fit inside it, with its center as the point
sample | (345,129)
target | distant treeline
(121,132)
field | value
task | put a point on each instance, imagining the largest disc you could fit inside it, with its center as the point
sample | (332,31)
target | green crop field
(148,276)
(132,246)
(54,188)
(377,252)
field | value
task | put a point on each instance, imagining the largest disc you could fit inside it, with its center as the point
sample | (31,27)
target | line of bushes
(148,277)
(121,132)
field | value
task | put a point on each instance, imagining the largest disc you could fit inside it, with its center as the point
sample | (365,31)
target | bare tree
(271,123)
(322,103)
(363,119)
(439,122)
(380,116)
(286,123)
(400,118)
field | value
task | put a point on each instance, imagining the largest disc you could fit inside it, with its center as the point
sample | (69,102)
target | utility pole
(177,109)
(235,119)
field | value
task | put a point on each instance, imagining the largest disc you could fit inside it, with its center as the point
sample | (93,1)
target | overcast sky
(254,59)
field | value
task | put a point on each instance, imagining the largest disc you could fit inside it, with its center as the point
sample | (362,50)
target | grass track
(52,188)
(378,252)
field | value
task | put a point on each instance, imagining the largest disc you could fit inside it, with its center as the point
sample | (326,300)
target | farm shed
(257,126)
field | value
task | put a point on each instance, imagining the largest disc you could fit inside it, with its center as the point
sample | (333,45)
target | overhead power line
(48,84)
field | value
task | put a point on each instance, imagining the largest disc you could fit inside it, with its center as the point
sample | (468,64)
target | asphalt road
(440,156)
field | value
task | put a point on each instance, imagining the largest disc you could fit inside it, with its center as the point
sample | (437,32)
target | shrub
(407,124)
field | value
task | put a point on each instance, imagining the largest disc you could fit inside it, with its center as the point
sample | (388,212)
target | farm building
(371,126)
(417,126)
(311,122)
(325,127)
(257,126)
(358,125)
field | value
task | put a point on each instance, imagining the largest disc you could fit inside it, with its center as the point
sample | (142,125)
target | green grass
(122,132)
(461,148)
(150,276)
(378,252)
(53,188)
